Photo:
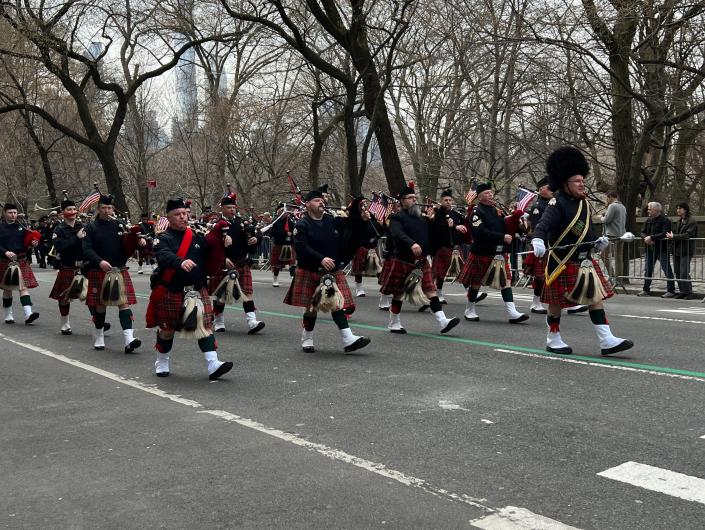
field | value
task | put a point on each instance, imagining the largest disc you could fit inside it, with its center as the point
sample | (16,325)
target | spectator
(614,226)
(654,233)
(683,249)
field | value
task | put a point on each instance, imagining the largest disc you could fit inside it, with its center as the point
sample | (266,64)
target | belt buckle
(499,249)
(583,255)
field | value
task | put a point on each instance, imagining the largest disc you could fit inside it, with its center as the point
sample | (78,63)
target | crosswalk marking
(659,480)
(513,518)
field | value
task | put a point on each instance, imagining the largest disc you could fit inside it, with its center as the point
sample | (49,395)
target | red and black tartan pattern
(244,278)
(30,282)
(168,313)
(305,282)
(476,266)
(275,261)
(533,266)
(398,271)
(554,294)
(95,282)
(386,265)
(441,262)
(358,262)
(63,281)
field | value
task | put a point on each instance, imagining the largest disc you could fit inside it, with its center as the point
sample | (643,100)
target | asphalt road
(415,431)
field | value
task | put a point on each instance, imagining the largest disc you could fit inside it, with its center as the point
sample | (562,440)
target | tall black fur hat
(563,163)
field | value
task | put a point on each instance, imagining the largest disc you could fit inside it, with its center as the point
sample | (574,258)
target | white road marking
(659,480)
(513,518)
(702,437)
(664,319)
(329,452)
(601,365)
(448,405)
(685,310)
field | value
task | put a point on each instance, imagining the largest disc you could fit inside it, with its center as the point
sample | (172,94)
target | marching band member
(533,266)
(67,242)
(107,245)
(319,282)
(231,241)
(363,231)
(180,293)
(283,253)
(15,272)
(145,253)
(488,262)
(409,272)
(447,230)
(572,275)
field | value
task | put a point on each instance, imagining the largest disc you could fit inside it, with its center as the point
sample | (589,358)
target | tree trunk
(106,157)
(44,157)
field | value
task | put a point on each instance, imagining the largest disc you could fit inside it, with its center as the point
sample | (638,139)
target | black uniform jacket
(67,244)
(488,231)
(318,239)
(239,232)
(165,248)
(442,235)
(559,213)
(536,211)
(280,234)
(407,230)
(103,241)
(12,239)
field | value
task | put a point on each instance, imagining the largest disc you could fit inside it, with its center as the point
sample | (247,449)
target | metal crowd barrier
(661,263)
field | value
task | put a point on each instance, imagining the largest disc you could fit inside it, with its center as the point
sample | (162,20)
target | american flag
(524,198)
(471,194)
(162,224)
(379,206)
(89,201)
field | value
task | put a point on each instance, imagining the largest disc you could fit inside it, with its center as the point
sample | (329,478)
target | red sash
(160,291)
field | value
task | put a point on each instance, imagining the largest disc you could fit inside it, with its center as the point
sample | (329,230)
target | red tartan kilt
(63,280)
(95,282)
(396,274)
(554,294)
(476,266)
(30,282)
(441,262)
(304,284)
(358,262)
(245,280)
(274,259)
(386,265)
(533,266)
(167,311)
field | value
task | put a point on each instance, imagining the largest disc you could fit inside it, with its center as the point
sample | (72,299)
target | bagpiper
(488,261)
(283,253)
(362,233)
(447,232)
(179,300)
(319,283)
(70,284)
(408,274)
(15,272)
(229,265)
(145,253)
(572,275)
(107,245)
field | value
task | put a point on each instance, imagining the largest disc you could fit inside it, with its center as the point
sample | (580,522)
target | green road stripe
(494,345)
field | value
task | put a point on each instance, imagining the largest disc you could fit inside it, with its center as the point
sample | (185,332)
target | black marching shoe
(357,345)
(134,344)
(66,331)
(254,330)
(451,324)
(31,318)
(622,346)
(480,297)
(9,321)
(520,318)
(222,370)
(567,350)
